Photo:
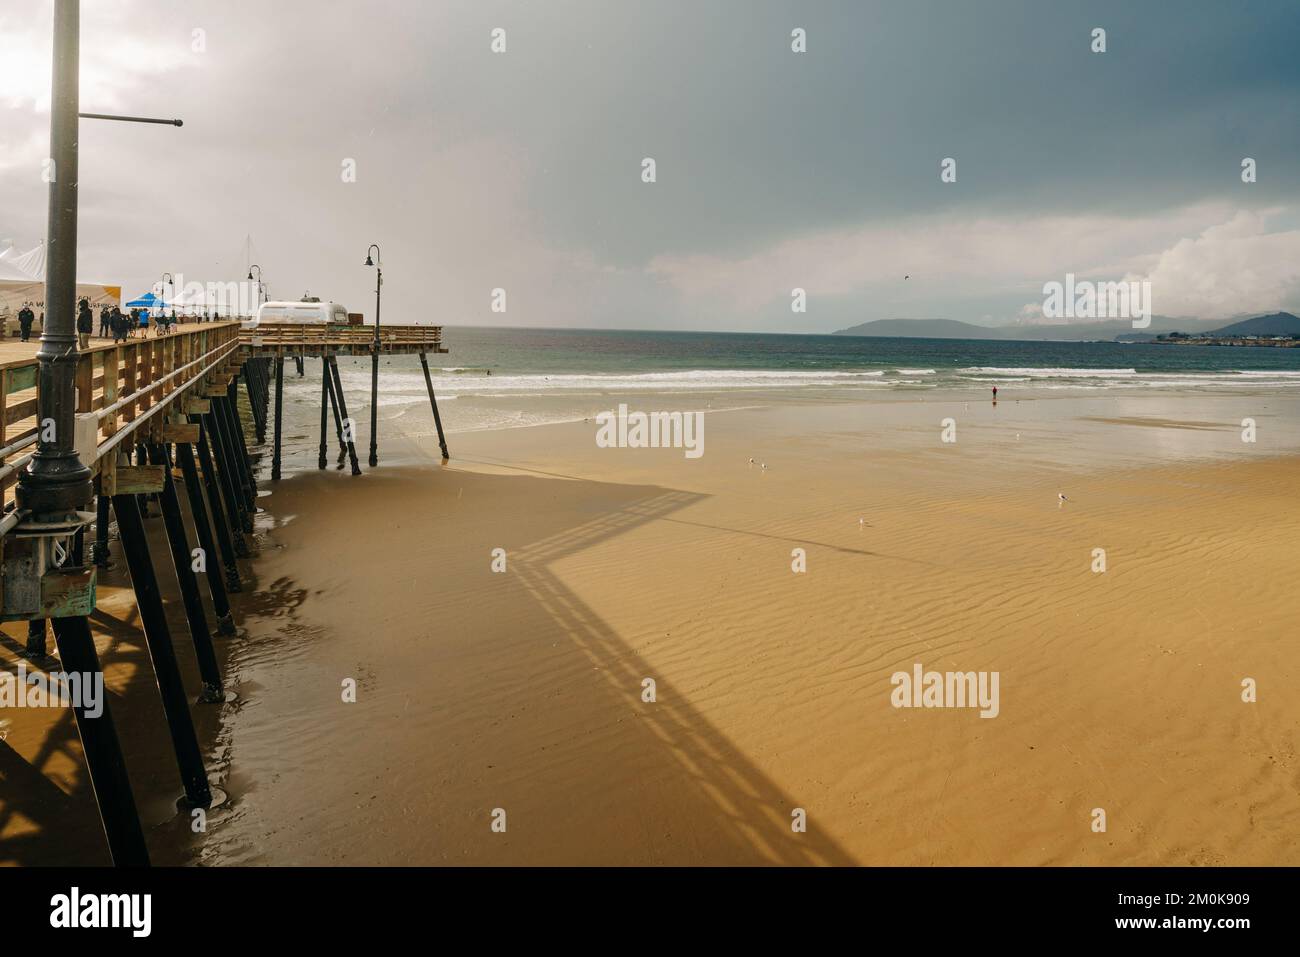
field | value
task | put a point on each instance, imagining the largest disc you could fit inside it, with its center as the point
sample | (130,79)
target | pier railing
(126,385)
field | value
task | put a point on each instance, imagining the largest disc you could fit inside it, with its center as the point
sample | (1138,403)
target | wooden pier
(152,415)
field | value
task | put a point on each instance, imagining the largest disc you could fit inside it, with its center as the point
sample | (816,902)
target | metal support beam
(215,430)
(103,751)
(225,532)
(195,616)
(343,411)
(211,558)
(279,417)
(36,646)
(338,419)
(437,419)
(243,463)
(99,550)
(153,620)
(324,410)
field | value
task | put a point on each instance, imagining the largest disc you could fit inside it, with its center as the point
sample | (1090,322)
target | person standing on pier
(25,319)
(85,325)
(104,316)
(117,323)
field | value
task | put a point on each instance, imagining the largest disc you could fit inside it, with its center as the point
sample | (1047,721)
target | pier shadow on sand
(711,778)
(482,691)
(664,785)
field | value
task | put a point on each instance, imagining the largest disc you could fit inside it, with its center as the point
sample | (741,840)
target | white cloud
(119,53)
(1234,267)
(1230,263)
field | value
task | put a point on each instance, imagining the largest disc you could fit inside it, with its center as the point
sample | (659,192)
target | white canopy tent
(22,280)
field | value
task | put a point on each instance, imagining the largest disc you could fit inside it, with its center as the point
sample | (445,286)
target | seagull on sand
(1062,499)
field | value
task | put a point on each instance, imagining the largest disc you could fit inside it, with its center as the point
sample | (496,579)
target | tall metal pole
(56,482)
(374,359)
(279,415)
(374,374)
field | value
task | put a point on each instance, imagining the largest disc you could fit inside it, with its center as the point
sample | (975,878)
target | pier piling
(279,417)
(195,616)
(324,410)
(99,550)
(102,749)
(153,620)
(220,457)
(239,460)
(343,411)
(212,566)
(36,647)
(437,419)
(223,525)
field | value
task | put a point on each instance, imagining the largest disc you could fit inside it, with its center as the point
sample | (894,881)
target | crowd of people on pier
(113,322)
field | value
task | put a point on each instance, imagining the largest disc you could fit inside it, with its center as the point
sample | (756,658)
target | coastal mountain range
(1275,324)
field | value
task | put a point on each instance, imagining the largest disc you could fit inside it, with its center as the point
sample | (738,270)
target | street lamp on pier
(377,262)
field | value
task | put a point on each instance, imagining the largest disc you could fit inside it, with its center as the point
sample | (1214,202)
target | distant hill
(1276,324)
(1110,330)
(922,328)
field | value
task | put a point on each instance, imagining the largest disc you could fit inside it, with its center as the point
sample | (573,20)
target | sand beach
(523,689)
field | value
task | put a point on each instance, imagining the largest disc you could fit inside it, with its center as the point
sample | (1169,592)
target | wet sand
(522,690)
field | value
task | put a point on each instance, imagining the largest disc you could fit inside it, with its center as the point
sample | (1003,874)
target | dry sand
(522,690)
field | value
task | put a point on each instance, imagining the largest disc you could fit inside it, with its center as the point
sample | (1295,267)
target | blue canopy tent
(145,302)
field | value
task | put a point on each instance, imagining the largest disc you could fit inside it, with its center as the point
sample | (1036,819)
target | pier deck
(147,414)
(148,374)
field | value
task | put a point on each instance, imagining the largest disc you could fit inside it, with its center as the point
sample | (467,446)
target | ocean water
(504,378)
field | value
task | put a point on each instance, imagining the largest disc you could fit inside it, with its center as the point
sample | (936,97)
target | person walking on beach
(995,393)
(85,325)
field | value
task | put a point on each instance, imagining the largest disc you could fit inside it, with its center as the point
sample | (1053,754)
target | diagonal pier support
(199,513)
(195,616)
(153,620)
(343,410)
(437,419)
(222,520)
(103,750)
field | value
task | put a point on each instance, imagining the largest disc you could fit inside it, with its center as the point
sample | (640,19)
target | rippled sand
(523,690)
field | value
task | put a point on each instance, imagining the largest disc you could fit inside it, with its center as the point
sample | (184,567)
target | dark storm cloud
(521,170)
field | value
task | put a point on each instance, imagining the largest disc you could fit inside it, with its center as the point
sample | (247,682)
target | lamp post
(166,280)
(259,282)
(374,357)
(57,482)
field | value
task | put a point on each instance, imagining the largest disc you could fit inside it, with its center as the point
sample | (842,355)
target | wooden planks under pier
(300,339)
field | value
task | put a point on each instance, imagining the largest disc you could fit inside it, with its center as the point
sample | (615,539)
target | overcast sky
(522,170)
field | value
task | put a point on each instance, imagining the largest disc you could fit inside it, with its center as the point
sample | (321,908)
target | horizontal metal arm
(130,119)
